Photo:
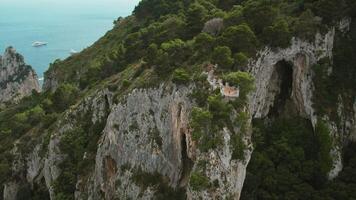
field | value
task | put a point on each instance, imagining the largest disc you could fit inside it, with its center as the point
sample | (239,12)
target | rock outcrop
(299,59)
(146,132)
(301,55)
(17,79)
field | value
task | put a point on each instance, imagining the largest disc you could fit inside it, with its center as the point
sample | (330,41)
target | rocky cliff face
(146,134)
(299,58)
(146,147)
(285,76)
(17,79)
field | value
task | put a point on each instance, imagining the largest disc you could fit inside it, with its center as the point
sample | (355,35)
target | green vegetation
(214,113)
(198,181)
(241,61)
(159,183)
(237,143)
(204,131)
(339,85)
(240,38)
(290,160)
(278,34)
(222,57)
(180,76)
(168,35)
(79,147)
(166,40)
(64,96)
(22,122)
(243,80)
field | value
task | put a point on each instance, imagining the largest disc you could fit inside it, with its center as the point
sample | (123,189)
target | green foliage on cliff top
(167,34)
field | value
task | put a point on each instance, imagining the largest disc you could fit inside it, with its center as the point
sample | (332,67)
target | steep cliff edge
(159,109)
(17,79)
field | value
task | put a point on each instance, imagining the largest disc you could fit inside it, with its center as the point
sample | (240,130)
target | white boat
(38,44)
(72,52)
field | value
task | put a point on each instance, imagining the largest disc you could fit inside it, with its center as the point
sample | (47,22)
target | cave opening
(186,161)
(284,74)
(288,147)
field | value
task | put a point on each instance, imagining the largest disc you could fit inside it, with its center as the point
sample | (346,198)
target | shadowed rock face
(17,79)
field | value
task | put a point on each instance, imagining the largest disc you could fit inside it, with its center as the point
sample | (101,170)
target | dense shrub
(289,160)
(196,15)
(278,34)
(240,61)
(181,76)
(243,80)
(203,44)
(260,14)
(240,38)
(222,57)
(64,97)
(306,26)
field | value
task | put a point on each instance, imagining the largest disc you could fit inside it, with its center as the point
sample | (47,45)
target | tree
(201,117)
(200,122)
(227,4)
(306,26)
(153,9)
(330,10)
(204,43)
(235,16)
(173,27)
(260,14)
(170,55)
(180,76)
(196,15)
(240,39)
(219,108)
(242,79)
(222,57)
(36,115)
(241,61)
(134,46)
(324,146)
(152,54)
(175,48)
(278,34)
(64,96)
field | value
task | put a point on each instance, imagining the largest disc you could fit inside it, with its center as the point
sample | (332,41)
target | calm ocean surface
(64,26)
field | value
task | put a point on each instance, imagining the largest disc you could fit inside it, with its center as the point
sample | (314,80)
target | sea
(66,25)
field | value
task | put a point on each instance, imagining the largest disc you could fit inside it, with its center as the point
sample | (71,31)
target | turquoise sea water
(64,25)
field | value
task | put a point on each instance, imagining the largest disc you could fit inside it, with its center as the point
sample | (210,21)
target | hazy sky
(123,7)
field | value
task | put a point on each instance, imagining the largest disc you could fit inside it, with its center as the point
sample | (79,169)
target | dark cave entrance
(287,146)
(186,161)
(284,74)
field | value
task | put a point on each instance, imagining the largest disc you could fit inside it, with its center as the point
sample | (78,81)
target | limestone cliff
(146,134)
(285,76)
(17,79)
(128,134)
